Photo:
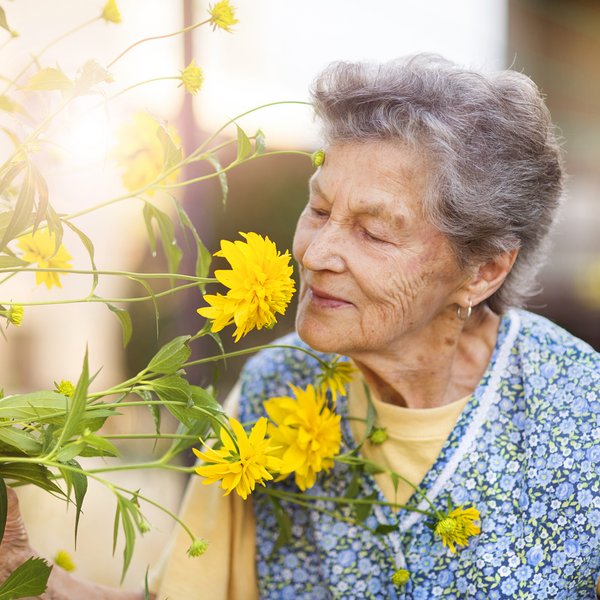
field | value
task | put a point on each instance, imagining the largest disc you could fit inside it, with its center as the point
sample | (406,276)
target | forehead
(375,177)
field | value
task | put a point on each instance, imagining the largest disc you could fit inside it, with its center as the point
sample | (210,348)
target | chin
(318,337)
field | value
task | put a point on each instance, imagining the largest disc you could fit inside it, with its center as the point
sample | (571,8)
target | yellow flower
(306,433)
(400,577)
(65,387)
(335,376)
(457,527)
(192,77)
(141,155)
(63,559)
(222,15)
(15,314)
(40,248)
(110,12)
(242,461)
(260,286)
(317,158)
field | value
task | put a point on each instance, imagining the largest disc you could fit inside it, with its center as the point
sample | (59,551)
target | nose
(324,249)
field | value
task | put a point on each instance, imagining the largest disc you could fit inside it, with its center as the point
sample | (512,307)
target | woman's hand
(15,548)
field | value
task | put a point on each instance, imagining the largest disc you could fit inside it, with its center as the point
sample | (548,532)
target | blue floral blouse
(525,451)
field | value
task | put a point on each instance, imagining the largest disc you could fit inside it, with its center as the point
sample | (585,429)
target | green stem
(339,500)
(350,459)
(47,47)
(96,300)
(157,37)
(200,361)
(230,166)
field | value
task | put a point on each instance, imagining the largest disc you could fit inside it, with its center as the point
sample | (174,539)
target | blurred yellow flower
(306,433)
(63,559)
(260,285)
(242,461)
(335,376)
(317,158)
(40,248)
(15,314)
(400,577)
(457,527)
(222,15)
(192,77)
(110,12)
(65,387)
(197,548)
(140,153)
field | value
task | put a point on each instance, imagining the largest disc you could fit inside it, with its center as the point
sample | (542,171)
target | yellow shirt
(227,570)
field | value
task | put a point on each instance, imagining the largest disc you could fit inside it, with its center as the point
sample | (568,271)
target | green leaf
(172,155)
(260,142)
(385,529)
(91,74)
(3,21)
(125,320)
(19,439)
(172,388)
(203,256)
(354,486)
(244,146)
(6,262)
(48,79)
(362,511)
(77,405)
(285,525)
(11,173)
(89,246)
(22,215)
(3,508)
(27,580)
(166,232)
(41,189)
(101,446)
(214,161)
(80,486)
(55,225)
(30,473)
(126,507)
(170,358)
(9,105)
(70,451)
(35,406)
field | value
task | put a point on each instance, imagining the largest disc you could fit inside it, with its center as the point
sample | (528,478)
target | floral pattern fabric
(524,451)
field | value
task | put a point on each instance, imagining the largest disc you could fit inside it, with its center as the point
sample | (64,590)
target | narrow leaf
(30,473)
(7,262)
(3,21)
(244,146)
(21,216)
(3,508)
(80,486)
(285,525)
(27,580)
(125,321)
(172,155)
(166,232)
(77,405)
(89,246)
(214,161)
(260,142)
(41,189)
(49,79)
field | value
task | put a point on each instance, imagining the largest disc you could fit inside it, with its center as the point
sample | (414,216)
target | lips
(326,300)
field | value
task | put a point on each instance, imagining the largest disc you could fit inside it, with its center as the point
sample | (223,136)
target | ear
(488,277)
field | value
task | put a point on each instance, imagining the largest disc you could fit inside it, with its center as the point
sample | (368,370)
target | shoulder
(545,345)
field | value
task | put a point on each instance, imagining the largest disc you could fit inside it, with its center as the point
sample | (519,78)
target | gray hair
(497,176)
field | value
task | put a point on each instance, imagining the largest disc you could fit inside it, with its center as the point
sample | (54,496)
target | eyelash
(321,214)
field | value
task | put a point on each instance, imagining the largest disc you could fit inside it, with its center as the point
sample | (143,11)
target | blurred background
(272,54)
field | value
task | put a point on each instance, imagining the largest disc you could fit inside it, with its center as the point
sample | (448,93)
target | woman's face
(373,271)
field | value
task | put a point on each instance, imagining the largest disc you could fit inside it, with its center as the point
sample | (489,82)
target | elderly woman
(424,230)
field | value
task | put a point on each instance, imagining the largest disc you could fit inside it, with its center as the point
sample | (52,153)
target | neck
(436,365)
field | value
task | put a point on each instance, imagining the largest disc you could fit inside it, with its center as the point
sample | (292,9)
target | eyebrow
(378,210)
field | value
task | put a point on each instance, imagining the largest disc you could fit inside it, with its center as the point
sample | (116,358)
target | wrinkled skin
(15,550)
